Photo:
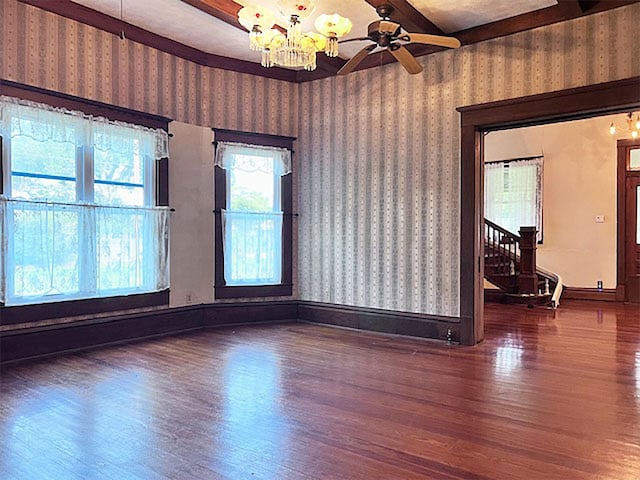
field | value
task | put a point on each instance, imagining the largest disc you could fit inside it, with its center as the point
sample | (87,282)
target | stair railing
(503,248)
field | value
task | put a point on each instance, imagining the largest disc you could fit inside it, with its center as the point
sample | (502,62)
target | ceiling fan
(388,34)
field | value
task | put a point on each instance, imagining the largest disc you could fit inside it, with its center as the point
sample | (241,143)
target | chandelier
(632,127)
(290,46)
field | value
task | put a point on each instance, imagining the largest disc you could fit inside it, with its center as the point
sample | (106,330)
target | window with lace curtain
(78,213)
(253,226)
(513,193)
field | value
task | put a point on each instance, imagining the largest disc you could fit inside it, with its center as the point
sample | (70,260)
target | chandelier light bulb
(612,129)
(637,122)
(295,48)
(634,133)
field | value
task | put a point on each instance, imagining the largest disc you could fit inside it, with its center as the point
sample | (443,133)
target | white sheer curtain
(513,194)
(53,250)
(252,237)
(230,155)
(45,123)
(252,248)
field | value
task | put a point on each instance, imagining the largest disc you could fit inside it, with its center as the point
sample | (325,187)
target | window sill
(12,315)
(253,291)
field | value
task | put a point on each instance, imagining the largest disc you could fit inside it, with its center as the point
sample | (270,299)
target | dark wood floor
(548,395)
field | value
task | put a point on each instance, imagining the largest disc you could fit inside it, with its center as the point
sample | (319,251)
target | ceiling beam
(563,11)
(411,19)
(225,10)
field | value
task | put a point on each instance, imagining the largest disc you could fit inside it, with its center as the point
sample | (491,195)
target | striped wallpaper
(379,153)
(49,51)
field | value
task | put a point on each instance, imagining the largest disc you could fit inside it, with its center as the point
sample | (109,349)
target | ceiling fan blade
(439,40)
(355,60)
(405,58)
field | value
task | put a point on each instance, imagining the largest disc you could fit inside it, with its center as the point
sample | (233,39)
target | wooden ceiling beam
(563,11)
(411,19)
(225,10)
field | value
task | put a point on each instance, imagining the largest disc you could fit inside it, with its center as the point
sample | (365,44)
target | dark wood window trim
(70,308)
(74,308)
(220,200)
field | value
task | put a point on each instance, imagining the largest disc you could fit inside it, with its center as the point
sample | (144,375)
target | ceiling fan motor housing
(383,32)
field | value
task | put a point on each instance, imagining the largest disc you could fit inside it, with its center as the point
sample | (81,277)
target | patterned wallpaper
(49,51)
(379,153)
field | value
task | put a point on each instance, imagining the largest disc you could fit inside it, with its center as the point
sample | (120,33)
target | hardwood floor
(548,395)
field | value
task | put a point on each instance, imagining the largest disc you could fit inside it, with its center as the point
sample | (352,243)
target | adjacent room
(319,239)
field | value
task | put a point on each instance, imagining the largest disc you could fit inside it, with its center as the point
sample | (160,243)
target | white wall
(191,194)
(579,183)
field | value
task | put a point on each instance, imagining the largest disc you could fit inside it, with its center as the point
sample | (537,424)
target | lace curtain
(250,158)
(252,248)
(45,123)
(513,194)
(81,251)
(70,248)
(252,240)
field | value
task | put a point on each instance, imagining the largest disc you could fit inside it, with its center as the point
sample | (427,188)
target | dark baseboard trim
(45,341)
(38,342)
(578,293)
(383,321)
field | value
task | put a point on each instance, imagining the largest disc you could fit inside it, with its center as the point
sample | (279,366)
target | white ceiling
(183,23)
(462,14)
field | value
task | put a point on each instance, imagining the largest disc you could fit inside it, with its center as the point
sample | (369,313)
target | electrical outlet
(599,284)
(188,298)
(599,218)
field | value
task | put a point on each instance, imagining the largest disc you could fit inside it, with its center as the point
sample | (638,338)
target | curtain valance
(251,158)
(44,123)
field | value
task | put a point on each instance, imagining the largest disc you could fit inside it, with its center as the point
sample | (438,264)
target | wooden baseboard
(579,293)
(36,342)
(384,321)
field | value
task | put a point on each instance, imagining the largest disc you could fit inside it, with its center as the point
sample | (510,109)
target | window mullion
(87,256)
(6,167)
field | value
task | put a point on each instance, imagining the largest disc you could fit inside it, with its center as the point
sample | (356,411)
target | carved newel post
(528,278)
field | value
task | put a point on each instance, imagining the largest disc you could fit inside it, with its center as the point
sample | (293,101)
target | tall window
(78,206)
(254,228)
(513,194)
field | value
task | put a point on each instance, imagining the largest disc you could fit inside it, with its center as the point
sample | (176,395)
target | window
(78,211)
(253,217)
(513,194)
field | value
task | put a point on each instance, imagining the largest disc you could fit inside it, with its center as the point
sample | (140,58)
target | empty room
(321,239)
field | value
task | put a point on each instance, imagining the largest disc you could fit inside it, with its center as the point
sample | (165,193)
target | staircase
(510,264)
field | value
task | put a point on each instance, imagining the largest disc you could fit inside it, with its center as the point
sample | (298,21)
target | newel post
(528,278)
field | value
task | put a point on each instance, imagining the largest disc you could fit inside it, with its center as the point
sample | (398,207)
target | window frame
(285,288)
(35,312)
(540,189)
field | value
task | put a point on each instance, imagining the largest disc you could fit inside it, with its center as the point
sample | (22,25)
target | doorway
(581,102)
(628,221)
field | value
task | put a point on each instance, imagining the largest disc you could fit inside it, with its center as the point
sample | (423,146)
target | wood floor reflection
(548,395)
